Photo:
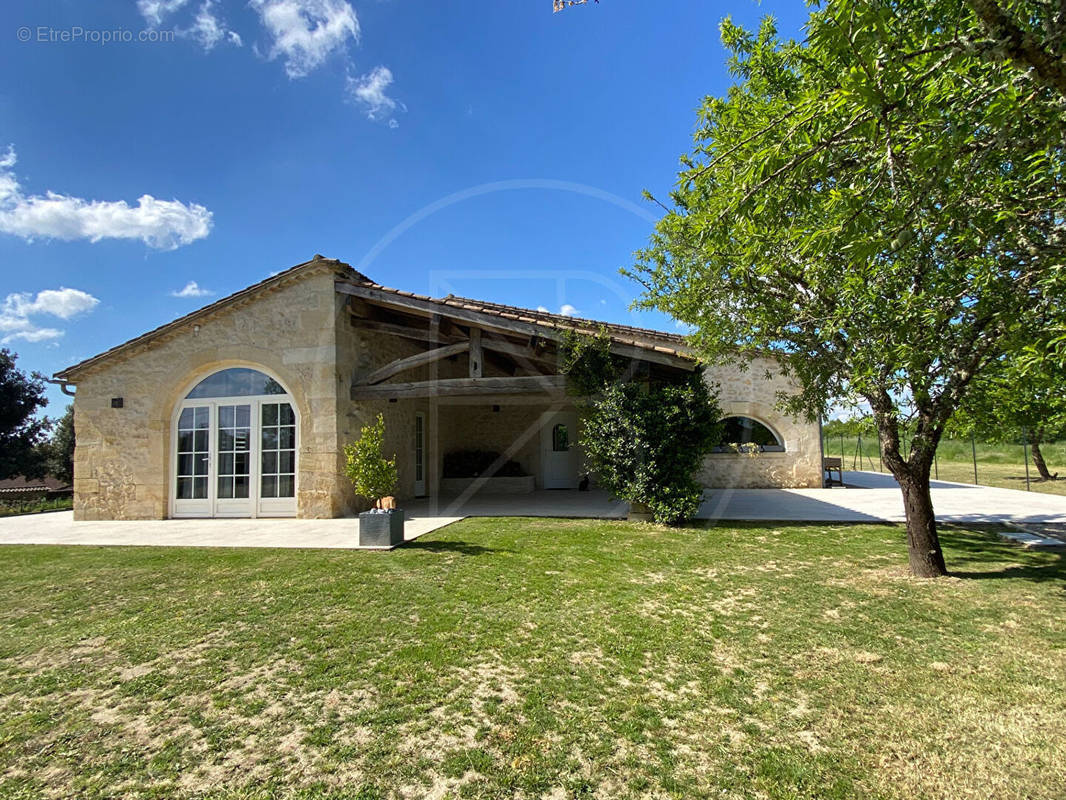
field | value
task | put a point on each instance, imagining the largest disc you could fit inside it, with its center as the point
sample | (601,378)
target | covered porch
(474,397)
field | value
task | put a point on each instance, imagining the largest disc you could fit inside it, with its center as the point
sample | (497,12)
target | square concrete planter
(381,529)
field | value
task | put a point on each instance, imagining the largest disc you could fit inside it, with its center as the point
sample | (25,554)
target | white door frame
(255,505)
(550,476)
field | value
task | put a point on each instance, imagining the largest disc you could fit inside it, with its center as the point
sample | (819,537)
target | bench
(831,465)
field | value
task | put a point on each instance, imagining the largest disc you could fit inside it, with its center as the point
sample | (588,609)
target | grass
(999,465)
(537,658)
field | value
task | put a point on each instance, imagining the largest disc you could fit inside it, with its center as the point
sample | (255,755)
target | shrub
(372,475)
(646,442)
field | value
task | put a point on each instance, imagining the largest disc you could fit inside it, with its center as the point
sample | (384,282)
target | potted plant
(374,477)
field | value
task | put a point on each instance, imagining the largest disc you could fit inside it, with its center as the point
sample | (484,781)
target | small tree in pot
(374,477)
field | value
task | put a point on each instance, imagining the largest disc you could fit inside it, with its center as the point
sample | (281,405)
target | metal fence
(959,461)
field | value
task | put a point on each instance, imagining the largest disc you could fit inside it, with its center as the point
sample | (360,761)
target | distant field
(997,464)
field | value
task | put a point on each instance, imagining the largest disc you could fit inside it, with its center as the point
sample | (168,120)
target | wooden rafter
(417,360)
(492,322)
(547,386)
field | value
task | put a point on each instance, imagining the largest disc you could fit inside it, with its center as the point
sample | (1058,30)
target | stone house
(242,408)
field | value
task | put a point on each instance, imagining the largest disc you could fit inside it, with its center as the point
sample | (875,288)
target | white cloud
(209,30)
(162,224)
(306,32)
(155,11)
(369,92)
(192,289)
(16,310)
(565,310)
(207,27)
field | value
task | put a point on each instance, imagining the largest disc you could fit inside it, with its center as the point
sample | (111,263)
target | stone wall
(749,393)
(122,462)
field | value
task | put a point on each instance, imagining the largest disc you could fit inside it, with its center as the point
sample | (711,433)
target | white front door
(420,454)
(560,456)
(235,457)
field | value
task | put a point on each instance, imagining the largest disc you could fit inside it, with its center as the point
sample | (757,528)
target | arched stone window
(745,431)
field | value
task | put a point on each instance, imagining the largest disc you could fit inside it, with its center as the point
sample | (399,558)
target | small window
(741,431)
(560,439)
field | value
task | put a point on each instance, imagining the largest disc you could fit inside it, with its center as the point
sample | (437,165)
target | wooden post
(1025,457)
(476,353)
(973,449)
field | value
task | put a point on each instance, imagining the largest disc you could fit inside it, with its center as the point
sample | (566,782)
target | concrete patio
(870,497)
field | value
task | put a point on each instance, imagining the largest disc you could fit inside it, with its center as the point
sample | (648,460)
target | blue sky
(492,149)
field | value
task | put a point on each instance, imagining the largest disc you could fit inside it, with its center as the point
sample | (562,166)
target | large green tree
(1021,400)
(59,450)
(877,206)
(21,431)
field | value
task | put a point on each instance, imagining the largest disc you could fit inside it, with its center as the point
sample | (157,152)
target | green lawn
(1001,465)
(537,658)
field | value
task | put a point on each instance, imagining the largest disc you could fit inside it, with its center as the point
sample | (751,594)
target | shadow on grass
(979,547)
(462,548)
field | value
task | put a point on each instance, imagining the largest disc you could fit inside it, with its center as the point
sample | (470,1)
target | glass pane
(560,439)
(199,464)
(225,440)
(225,464)
(184,441)
(185,420)
(199,488)
(225,416)
(236,382)
(184,488)
(244,416)
(286,484)
(185,464)
(242,439)
(202,417)
(287,438)
(745,430)
(200,441)
(270,486)
(270,438)
(286,461)
(270,413)
(240,486)
(225,487)
(270,463)
(287,417)
(240,463)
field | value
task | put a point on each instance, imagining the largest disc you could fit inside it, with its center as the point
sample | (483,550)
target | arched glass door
(235,448)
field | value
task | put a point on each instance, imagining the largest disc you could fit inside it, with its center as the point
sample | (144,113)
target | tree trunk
(923,544)
(1038,462)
